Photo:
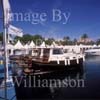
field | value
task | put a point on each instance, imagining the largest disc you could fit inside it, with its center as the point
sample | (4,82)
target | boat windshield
(96,48)
(37,52)
(57,51)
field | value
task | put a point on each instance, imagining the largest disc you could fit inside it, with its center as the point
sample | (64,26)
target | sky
(72,17)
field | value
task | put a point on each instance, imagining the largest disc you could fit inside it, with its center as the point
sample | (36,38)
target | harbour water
(89,73)
(91,76)
(10,88)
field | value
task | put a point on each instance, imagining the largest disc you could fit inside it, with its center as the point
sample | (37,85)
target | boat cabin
(48,54)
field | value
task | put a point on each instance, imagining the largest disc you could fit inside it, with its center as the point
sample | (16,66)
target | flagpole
(5,52)
(5,41)
(6,16)
(5,57)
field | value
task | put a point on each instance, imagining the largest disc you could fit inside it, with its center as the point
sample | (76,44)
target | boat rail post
(77,59)
(58,62)
(69,61)
(83,57)
(65,62)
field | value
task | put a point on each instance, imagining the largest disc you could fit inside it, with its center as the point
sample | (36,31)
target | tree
(66,40)
(26,38)
(1,36)
(17,38)
(85,39)
(38,39)
(84,36)
(98,41)
(75,41)
(49,41)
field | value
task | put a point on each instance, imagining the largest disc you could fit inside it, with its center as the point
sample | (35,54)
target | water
(88,89)
(91,76)
(10,88)
(90,73)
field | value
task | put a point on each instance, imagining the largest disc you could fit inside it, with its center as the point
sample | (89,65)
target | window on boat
(36,52)
(96,48)
(65,50)
(46,52)
(57,51)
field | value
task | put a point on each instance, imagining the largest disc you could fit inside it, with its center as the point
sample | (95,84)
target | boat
(93,52)
(54,59)
(47,63)
(29,86)
(48,59)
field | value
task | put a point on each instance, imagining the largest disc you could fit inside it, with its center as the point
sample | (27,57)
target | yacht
(94,51)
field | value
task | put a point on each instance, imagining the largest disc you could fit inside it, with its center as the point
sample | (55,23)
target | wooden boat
(29,89)
(48,63)
(54,59)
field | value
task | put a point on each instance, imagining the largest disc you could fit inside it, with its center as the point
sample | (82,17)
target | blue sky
(84,17)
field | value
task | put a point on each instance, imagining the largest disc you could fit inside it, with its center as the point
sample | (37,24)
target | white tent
(99,45)
(81,45)
(26,46)
(53,44)
(10,46)
(18,45)
(43,44)
(32,44)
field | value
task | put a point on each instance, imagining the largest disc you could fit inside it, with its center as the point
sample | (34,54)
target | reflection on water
(49,85)
(92,81)
(94,59)
(89,74)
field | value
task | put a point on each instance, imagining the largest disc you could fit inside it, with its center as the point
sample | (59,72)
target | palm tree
(75,41)
(98,41)
(66,38)
(49,41)
(1,36)
(84,36)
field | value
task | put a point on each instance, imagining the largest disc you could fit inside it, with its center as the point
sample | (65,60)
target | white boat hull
(94,52)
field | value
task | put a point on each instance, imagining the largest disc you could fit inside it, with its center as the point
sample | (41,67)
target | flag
(7,12)
(15,31)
